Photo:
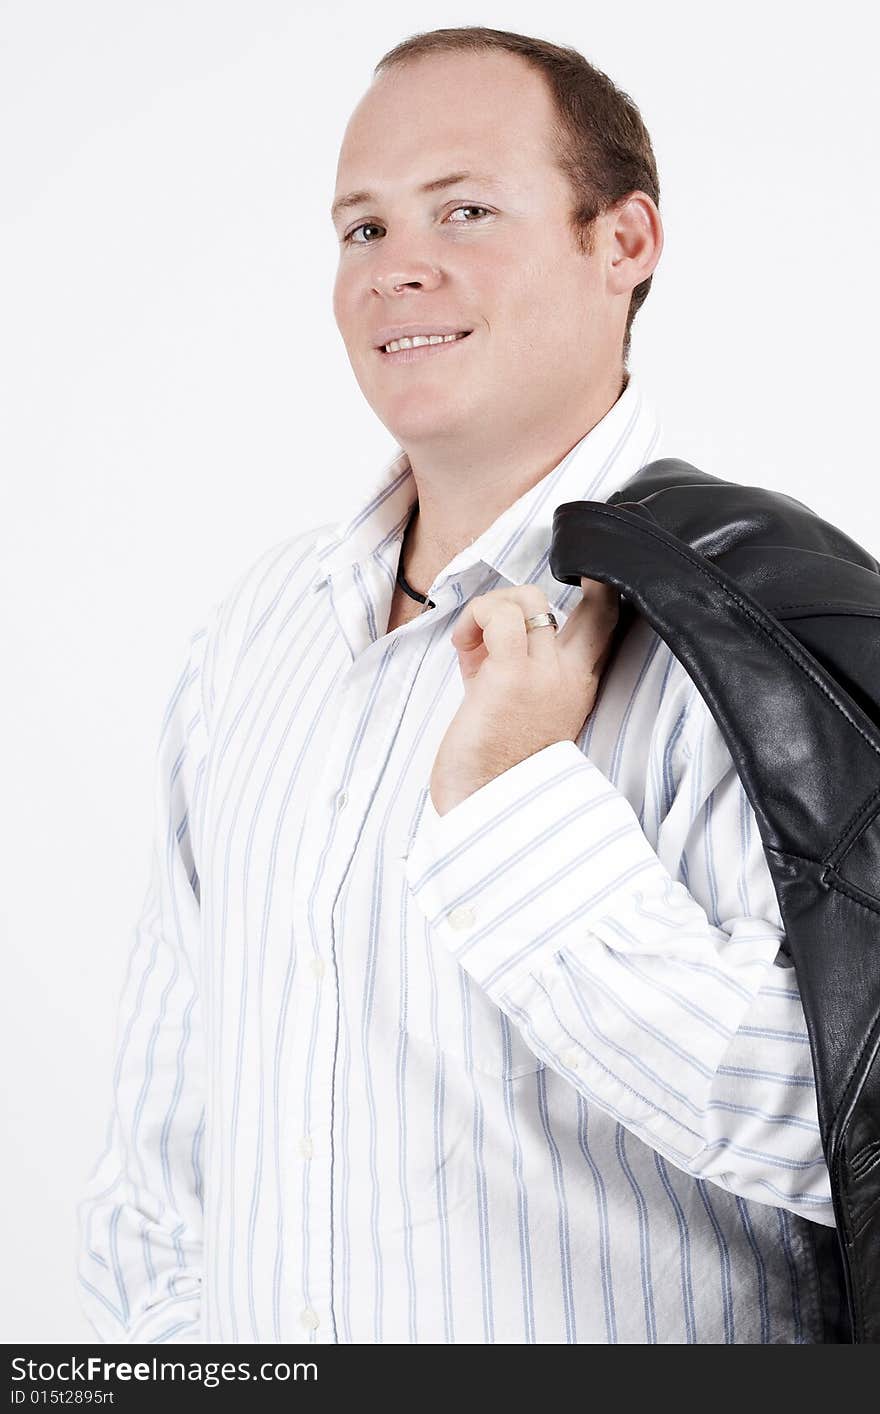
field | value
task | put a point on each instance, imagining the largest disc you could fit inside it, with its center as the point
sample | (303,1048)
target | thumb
(590,626)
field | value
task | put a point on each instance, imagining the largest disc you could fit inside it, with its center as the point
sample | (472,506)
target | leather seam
(855,895)
(853,832)
(859,611)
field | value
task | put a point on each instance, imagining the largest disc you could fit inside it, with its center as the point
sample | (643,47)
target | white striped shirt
(532,1071)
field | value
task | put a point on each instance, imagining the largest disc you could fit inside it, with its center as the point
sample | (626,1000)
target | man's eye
(364,226)
(373,226)
(468,208)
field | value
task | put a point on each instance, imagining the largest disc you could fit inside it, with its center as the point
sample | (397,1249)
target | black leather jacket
(775,615)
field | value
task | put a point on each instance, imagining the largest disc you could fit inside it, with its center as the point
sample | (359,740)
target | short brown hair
(603,145)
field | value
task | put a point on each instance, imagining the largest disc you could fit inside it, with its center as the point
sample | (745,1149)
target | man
(457,1011)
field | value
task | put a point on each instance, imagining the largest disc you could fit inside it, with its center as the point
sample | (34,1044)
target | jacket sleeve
(140,1216)
(650,978)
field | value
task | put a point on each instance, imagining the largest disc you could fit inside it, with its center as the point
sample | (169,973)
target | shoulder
(254,607)
(282,571)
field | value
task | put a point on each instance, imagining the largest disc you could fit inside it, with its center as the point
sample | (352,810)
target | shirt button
(317,966)
(309,1319)
(306,1147)
(573,1059)
(461,917)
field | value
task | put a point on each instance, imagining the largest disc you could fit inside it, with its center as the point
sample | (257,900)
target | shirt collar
(517,543)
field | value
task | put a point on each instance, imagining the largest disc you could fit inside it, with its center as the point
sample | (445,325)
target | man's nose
(409,275)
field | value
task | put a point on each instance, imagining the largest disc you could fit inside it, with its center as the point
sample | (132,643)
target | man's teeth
(397,344)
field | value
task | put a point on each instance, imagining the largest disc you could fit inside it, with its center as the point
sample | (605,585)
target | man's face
(493,254)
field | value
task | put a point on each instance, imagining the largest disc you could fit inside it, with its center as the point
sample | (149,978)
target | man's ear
(635,242)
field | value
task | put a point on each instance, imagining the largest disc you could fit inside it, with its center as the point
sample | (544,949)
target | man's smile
(410,349)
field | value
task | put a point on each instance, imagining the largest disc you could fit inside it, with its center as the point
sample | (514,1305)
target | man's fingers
(495,623)
(497,620)
(502,625)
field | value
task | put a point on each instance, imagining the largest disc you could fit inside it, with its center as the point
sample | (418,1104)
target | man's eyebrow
(365,198)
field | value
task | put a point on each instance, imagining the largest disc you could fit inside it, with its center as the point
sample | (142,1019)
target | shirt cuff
(547,848)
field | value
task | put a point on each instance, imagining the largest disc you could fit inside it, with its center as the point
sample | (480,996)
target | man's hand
(523,689)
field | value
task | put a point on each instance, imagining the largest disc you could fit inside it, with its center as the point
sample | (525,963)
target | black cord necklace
(407,588)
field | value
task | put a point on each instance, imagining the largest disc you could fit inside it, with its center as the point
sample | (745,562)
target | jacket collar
(516,545)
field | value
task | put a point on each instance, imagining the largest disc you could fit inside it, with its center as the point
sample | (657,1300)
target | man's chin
(425,419)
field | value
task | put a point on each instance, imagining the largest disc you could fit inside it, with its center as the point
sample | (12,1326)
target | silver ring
(539,620)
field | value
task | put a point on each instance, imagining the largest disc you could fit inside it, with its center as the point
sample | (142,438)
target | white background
(176,399)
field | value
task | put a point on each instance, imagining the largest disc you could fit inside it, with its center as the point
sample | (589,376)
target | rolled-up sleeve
(140,1216)
(651,979)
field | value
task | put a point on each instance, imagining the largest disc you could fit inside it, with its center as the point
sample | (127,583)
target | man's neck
(463,490)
